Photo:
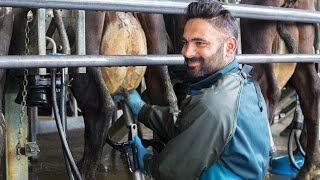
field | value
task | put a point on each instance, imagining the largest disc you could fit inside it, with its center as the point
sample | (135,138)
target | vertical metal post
(81,48)
(42,36)
(15,169)
(33,117)
(80,37)
(81,44)
(33,121)
(32,135)
(239,48)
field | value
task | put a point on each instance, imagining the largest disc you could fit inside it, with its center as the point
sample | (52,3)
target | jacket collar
(210,80)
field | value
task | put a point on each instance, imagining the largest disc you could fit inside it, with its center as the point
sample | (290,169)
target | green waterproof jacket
(223,123)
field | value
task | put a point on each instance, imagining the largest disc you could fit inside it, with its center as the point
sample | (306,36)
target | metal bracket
(134,130)
(31,149)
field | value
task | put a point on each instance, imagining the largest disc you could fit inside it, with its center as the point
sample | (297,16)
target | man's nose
(188,51)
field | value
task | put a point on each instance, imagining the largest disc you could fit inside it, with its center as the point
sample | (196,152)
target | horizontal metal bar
(274,13)
(168,7)
(278,58)
(37,61)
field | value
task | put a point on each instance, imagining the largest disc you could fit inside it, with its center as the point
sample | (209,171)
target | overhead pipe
(169,7)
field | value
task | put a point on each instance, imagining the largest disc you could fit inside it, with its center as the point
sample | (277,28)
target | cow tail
(282,29)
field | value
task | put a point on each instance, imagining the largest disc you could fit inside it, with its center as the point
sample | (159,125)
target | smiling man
(202,41)
(221,131)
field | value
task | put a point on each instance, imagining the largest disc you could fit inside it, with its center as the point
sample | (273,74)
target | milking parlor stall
(63,61)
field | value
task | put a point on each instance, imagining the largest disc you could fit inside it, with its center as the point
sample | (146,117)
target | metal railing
(36,61)
(168,7)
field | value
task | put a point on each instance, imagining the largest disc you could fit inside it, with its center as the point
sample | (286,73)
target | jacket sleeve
(200,136)
(160,119)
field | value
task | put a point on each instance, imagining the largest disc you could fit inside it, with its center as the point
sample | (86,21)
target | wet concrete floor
(50,163)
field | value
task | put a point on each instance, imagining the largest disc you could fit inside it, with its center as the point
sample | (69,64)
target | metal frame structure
(148,6)
(242,11)
(11,109)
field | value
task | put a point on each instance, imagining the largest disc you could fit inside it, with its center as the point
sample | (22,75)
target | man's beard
(207,66)
(199,73)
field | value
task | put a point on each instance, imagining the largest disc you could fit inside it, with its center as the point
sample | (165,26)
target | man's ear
(231,46)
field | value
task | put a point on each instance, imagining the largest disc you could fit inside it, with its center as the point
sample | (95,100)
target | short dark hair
(215,13)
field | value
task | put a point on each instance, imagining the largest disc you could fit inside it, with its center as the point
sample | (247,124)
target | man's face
(203,49)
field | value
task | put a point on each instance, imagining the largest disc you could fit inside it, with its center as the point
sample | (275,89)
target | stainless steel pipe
(34,61)
(168,7)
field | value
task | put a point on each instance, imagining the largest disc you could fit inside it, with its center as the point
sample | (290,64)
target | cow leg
(269,88)
(6,24)
(97,109)
(93,99)
(174,26)
(157,78)
(257,38)
(94,31)
(307,84)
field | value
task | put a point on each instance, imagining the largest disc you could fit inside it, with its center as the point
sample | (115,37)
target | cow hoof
(309,173)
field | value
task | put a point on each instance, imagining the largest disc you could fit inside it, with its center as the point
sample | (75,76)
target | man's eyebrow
(194,39)
(198,39)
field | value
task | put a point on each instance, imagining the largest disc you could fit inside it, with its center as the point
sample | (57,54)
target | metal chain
(24,84)
(27,31)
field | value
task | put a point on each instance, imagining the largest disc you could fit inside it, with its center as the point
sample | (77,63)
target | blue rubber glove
(133,100)
(142,151)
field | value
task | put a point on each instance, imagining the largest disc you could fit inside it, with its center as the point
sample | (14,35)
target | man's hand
(133,100)
(142,151)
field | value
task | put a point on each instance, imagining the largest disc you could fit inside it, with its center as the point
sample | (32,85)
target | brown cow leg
(159,87)
(269,87)
(257,38)
(97,109)
(158,82)
(307,84)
